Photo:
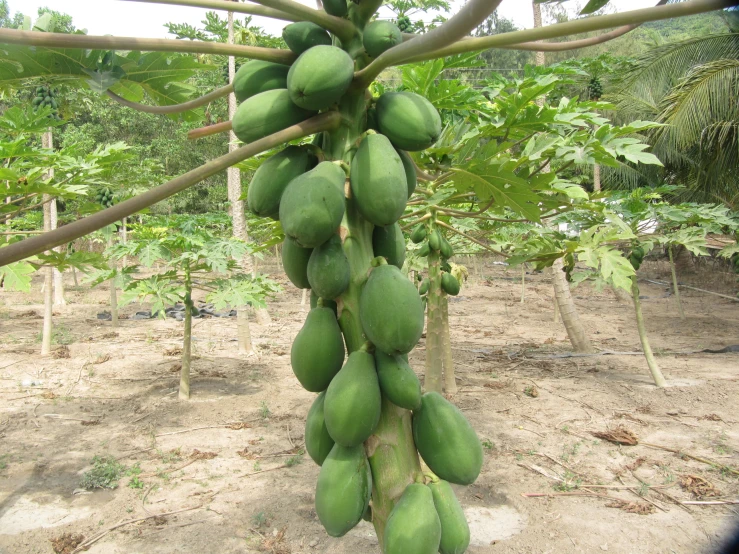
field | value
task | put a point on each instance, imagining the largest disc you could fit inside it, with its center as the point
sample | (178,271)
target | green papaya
(372,119)
(303,35)
(343,490)
(353,401)
(425,250)
(328,269)
(312,206)
(398,382)
(455,533)
(272,178)
(337,8)
(326,302)
(318,442)
(318,351)
(390,311)
(378,181)
(425,285)
(380,36)
(410,171)
(256,76)
(320,77)
(408,120)
(266,113)
(413,526)
(295,262)
(446,249)
(435,240)
(446,440)
(449,284)
(418,234)
(389,243)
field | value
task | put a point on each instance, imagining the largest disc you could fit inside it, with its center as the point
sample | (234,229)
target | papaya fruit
(425,285)
(449,284)
(312,205)
(273,176)
(318,351)
(425,250)
(320,77)
(380,36)
(410,171)
(378,181)
(446,440)
(328,269)
(419,233)
(435,240)
(337,8)
(303,35)
(318,442)
(390,311)
(353,401)
(256,76)
(398,382)
(455,532)
(408,120)
(389,243)
(295,262)
(413,526)
(266,113)
(446,249)
(343,490)
(326,302)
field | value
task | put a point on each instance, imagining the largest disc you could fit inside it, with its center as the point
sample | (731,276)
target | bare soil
(231,457)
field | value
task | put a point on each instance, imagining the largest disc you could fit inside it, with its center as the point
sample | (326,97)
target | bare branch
(236,7)
(63,235)
(342,28)
(223,127)
(175,108)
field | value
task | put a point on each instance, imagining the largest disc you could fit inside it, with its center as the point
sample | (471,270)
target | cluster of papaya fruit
(433,241)
(636,257)
(47,96)
(104,197)
(595,88)
(404,23)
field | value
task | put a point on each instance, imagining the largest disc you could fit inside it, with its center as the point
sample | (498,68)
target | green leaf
(505,187)
(17,276)
(593,6)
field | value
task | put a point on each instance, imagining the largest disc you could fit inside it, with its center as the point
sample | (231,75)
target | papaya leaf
(17,276)
(593,6)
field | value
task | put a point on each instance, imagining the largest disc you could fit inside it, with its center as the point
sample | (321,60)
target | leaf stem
(235,7)
(468,237)
(175,108)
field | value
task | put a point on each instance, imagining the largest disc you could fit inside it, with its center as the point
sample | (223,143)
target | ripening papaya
(318,442)
(446,440)
(303,35)
(320,77)
(398,381)
(295,262)
(337,8)
(435,240)
(325,302)
(449,284)
(380,36)
(424,250)
(390,311)
(343,490)
(413,526)
(409,120)
(425,285)
(318,351)
(266,113)
(446,248)
(312,205)
(272,178)
(455,532)
(257,76)
(389,243)
(410,171)
(378,181)
(353,401)
(419,233)
(328,269)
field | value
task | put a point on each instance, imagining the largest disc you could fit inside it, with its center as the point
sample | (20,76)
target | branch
(61,40)
(209,130)
(175,108)
(465,235)
(236,7)
(342,28)
(77,229)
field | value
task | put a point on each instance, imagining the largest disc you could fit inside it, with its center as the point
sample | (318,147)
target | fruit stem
(378,261)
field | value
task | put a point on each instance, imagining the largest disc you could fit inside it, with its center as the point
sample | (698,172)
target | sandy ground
(231,459)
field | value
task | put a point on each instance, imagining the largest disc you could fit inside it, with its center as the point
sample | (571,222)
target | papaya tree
(370,421)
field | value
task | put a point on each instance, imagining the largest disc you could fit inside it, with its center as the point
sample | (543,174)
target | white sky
(120,18)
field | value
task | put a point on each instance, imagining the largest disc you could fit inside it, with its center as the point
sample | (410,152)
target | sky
(123,18)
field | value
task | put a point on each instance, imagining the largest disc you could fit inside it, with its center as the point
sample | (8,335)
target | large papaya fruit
(449,284)
(272,178)
(455,533)
(295,260)
(256,76)
(398,381)
(389,243)
(411,175)
(390,311)
(303,35)
(446,249)
(328,269)
(318,350)
(312,205)
(344,489)
(325,301)
(413,526)
(320,77)
(446,440)
(408,120)
(337,8)
(353,401)
(378,181)
(380,36)
(266,113)
(318,442)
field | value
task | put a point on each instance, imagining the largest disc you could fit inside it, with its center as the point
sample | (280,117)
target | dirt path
(233,452)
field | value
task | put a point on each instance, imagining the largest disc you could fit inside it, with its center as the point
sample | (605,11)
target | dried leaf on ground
(101,359)
(636,464)
(246,454)
(175,367)
(238,425)
(198,455)
(89,422)
(61,353)
(495,385)
(174,351)
(711,417)
(641,508)
(66,543)
(48,395)
(618,435)
(698,486)
(531,391)
(109,335)
(275,544)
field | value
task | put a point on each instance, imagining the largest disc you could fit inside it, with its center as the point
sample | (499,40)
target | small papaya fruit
(389,243)
(455,532)
(303,35)
(318,442)
(398,381)
(337,8)
(256,76)
(446,248)
(328,269)
(380,36)
(326,302)
(425,250)
(266,113)
(449,284)
(425,285)
(435,240)
(318,351)
(409,120)
(413,526)
(418,234)
(411,175)
(295,262)
(273,176)
(320,77)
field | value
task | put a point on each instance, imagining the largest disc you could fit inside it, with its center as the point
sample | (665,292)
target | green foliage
(105,473)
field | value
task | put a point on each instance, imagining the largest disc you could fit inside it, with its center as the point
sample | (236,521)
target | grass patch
(105,473)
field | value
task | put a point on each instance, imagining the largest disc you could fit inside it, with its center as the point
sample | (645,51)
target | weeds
(264,412)
(260,519)
(489,445)
(295,460)
(105,473)
(571,482)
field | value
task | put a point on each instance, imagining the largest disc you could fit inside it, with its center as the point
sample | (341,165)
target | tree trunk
(58,277)
(684,262)
(450,381)
(596,178)
(243,331)
(675,288)
(659,379)
(523,283)
(432,381)
(113,292)
(568,311)
(184,392)
(539,57)
(47,142)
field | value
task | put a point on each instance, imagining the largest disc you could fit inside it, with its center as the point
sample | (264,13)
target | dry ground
(231,456)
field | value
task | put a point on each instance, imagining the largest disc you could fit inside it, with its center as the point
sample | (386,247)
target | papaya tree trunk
(47,142)
(596,177)
(523,283)
(184,392)
(432,381)
(675,288)
(568,311)
(659,379)
(113,293)
(58,276)
(450,381)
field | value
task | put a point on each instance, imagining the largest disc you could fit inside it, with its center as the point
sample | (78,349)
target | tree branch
(209,130)
(77,229)
(465,235)
(342,28)
(174,108)
(236,7)
(61,40)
